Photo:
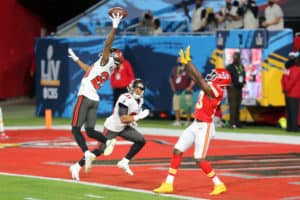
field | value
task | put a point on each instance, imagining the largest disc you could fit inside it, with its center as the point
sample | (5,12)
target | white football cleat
(124,164)
(110,144)
(75,169)
(89,157)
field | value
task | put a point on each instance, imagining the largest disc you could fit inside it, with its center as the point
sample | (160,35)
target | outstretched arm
(82,65)
(126,118)
(110,38)
(76,59)
(198,78)
(193,72)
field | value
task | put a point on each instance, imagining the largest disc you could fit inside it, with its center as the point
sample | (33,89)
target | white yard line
(94,196)
(31,198)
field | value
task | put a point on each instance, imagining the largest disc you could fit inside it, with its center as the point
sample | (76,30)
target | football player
(122,122)
(202,129)
(87,102)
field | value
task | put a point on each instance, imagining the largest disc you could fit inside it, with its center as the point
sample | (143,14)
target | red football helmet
(220,77)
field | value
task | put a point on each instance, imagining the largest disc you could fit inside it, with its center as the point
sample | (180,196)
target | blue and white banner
(58,77)
(51,75)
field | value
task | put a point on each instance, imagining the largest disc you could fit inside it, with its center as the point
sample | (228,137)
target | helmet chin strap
(136,96)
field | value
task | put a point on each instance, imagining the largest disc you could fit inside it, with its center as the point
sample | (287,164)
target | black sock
(135,148)
(79,138)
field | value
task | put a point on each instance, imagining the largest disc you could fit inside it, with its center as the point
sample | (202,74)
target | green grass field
(16,188)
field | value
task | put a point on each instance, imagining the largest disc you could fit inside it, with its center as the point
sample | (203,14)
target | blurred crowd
(149,25)
(236,14)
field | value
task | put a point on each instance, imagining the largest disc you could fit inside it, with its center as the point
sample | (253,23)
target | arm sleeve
(291,79)
(283,82)
(123,109)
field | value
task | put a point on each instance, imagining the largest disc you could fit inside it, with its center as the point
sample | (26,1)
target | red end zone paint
(251,170)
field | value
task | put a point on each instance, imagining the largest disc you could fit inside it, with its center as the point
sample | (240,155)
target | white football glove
(72,55)
(133,124)
(116,19)
(141,115)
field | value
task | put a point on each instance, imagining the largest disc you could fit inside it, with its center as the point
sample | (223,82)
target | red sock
(207,169)
(175,163)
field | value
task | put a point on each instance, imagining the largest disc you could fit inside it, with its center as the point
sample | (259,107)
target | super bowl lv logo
(49,75)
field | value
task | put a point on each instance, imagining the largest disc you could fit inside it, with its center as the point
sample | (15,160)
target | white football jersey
(94,77)
(113,122)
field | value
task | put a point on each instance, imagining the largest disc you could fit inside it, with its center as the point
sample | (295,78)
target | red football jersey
(206,106)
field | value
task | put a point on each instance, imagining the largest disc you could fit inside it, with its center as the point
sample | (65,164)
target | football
(116,10)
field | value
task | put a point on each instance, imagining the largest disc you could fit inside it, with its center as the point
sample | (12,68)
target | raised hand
(182,57)
(72,55)
(188,53)
(116,19)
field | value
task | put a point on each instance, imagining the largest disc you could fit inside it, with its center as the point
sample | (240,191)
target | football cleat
(218,189)
(123,164)
(89,157)
(164,188)
(75,169)
(110,144)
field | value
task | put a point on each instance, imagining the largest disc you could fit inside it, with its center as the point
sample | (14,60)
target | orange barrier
(48,118)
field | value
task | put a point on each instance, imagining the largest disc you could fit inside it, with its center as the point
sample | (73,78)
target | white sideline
(281,139)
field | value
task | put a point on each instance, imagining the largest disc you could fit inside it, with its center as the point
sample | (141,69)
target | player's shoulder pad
(126,98)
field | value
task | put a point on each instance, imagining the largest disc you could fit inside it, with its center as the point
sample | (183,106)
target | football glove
(116,19)
(141,115)
(188,53)
(72,55)
(182,57)
(133,124)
